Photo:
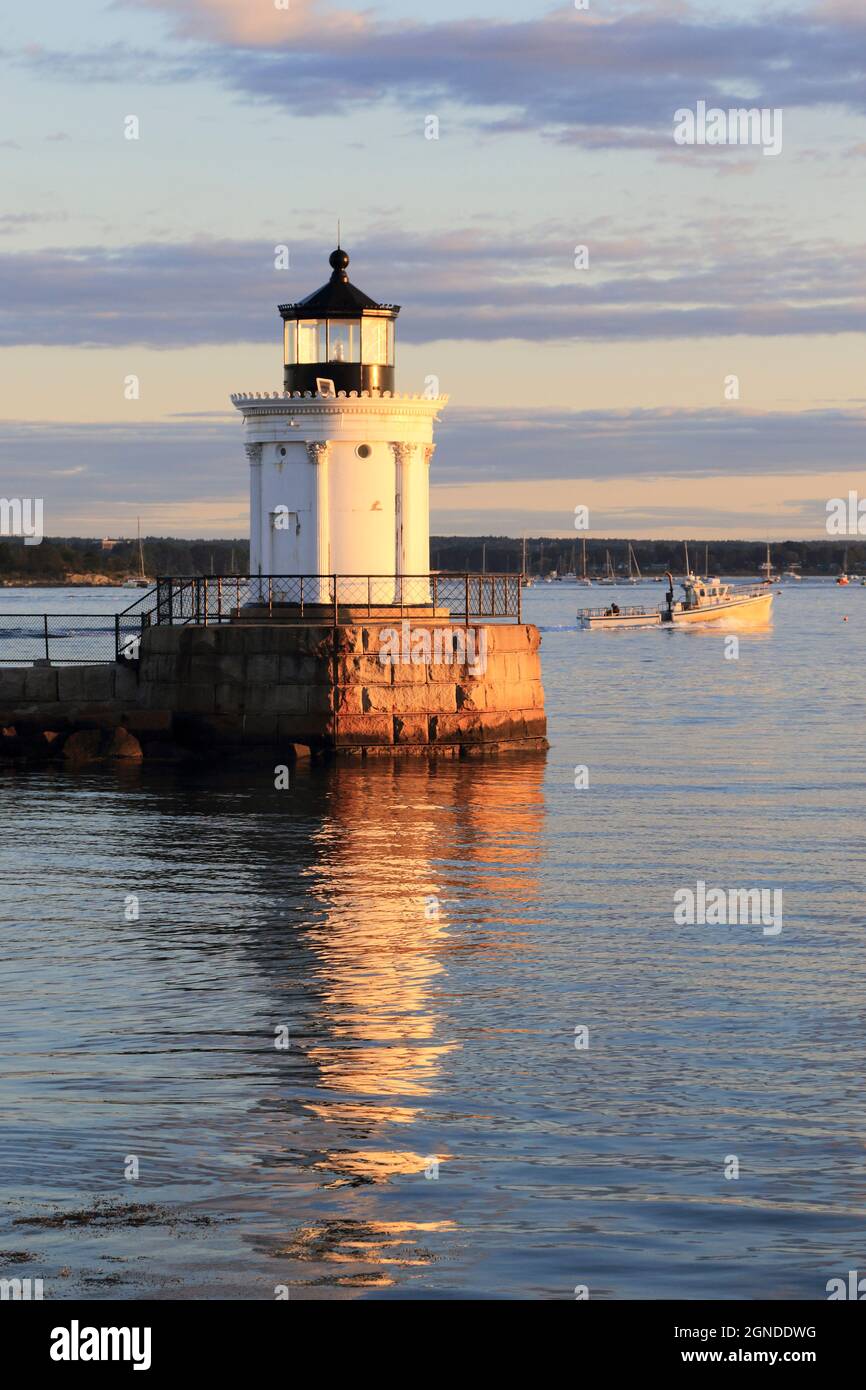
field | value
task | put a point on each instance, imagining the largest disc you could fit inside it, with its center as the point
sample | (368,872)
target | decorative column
(403,455)
(317,453)
(254,454)
(427,452)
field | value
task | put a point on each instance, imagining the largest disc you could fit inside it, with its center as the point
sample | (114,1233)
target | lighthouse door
(286,534)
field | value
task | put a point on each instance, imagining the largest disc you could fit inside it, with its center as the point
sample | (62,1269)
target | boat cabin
(700,592)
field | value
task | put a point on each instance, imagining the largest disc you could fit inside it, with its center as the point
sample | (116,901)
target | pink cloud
(258,25)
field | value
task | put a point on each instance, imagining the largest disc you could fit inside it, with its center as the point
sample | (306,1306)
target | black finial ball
(338,259)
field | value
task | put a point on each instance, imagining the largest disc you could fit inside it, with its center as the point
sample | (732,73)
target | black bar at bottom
(59,1336)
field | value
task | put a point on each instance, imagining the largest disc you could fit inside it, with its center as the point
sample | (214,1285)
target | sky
(698,370)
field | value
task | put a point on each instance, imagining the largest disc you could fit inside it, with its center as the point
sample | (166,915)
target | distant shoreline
(78,562)
(648,577)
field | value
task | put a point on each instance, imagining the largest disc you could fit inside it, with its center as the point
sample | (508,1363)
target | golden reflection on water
(392,861)
(376,1243)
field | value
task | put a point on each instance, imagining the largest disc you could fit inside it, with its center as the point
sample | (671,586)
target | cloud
(461,285)
(16,221)
(252,25)
(642,471)
(567,72)
(198,456)
(487,445)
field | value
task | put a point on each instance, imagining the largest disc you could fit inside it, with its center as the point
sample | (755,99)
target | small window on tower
(363,451)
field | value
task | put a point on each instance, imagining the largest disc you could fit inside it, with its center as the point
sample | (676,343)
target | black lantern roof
(338,296)
(338,335)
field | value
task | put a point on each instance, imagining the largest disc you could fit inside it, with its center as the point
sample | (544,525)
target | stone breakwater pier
(339,640)
(389,686)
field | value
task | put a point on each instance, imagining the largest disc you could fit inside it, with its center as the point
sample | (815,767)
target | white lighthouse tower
(339,463)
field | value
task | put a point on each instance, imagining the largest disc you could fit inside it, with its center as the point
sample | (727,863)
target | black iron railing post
(47,650)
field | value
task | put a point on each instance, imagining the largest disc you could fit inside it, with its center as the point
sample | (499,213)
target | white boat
(609,576)
(140,580)
(704,601)
(617,618)
(767,570)
(709,600)
(634,574)
(584,577)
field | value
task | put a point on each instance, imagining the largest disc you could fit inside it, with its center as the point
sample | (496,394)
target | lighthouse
(339,461)
(340,639)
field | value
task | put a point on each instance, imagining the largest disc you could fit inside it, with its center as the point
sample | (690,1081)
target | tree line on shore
(546,555)
(55,559)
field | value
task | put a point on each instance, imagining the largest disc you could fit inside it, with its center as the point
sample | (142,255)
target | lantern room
(338,334)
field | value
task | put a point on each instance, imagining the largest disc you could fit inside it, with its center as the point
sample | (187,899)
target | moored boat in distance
(704,601)
(609,576)
(770,576)
(140,580)
(634,574)
(584,577)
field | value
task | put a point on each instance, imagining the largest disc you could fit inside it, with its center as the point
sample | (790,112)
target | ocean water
(322,1040)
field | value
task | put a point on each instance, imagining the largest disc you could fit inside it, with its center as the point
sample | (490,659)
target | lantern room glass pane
(311,340)
(343,340)
(290,342)
(375,342)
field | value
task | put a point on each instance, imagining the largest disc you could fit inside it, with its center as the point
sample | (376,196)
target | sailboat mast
(140,551)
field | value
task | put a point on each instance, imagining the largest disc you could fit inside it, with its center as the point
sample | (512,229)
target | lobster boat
(703,601)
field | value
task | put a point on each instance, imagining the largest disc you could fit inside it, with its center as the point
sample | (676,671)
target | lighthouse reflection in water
(392,925)
(307,1000)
